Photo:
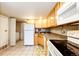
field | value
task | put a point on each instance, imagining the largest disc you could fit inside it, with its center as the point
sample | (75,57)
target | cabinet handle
(6,30)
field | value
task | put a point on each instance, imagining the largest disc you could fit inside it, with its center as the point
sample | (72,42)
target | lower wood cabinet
(39,40)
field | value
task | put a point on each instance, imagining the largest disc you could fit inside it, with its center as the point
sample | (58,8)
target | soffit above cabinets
(22,10)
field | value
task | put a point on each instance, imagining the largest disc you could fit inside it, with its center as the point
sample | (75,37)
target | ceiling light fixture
(52,17)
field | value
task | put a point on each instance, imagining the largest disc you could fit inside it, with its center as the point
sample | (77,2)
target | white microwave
(73,36)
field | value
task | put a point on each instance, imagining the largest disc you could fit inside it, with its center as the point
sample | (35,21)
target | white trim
(54,51)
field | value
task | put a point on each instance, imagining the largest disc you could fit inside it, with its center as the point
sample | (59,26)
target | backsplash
(63,29)
(18,28)
(42,30)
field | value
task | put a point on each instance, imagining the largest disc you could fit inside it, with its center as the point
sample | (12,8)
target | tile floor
(21,50)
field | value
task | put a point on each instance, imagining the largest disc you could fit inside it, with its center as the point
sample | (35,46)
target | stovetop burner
(61,45)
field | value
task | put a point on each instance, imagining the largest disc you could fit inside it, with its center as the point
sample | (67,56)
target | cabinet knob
(6,30)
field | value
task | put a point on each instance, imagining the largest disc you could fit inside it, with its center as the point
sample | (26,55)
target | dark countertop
(61,45)
(51,36)
(55,37)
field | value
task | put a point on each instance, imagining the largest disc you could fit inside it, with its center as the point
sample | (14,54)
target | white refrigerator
(29,31)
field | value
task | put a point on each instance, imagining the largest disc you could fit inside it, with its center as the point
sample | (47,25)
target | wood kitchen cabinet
(53,21)
(49,23)
(37,23)
(41,24)
(44,23)
(39,39)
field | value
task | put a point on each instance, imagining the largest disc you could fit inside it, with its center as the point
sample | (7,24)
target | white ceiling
(23,10)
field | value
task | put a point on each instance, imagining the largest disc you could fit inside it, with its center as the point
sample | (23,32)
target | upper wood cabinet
(44,23)
(48,23)
(37,24)
(52,20)
(68,13)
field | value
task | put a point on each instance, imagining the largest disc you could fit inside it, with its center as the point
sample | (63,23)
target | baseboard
(3,48)
(19,40)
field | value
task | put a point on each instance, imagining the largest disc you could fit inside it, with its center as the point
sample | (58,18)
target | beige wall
(18,28)
(62,30)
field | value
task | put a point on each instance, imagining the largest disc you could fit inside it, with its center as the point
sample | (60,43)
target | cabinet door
(37,24)
(12,32)
(36,39)
(44,23)
(41,41)
(3,30)
(48,23)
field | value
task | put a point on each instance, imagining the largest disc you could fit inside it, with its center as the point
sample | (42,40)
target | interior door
(4,30)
